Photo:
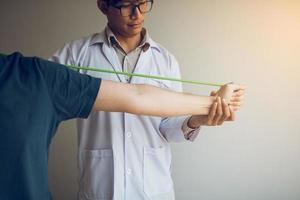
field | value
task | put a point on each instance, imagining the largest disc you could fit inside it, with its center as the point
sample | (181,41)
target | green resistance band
(141,75)
(144,75)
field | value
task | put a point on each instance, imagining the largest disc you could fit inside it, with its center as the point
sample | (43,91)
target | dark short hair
(112,2)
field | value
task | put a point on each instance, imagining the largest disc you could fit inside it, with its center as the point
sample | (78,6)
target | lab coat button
(128,171)
(129,134)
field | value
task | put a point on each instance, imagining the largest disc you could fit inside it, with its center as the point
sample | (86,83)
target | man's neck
(128,44)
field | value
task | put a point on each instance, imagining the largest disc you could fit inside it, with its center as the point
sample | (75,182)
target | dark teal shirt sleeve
(73,94)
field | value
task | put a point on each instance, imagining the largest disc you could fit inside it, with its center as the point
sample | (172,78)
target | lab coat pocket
(156,172)
(97,177)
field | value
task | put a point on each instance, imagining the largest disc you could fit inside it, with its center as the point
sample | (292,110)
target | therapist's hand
(229,99)
(219,112)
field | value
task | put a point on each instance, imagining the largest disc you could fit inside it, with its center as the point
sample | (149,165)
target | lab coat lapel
(112,57)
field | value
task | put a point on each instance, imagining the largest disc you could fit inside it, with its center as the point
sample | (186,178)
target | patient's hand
(232,93)
(228,100)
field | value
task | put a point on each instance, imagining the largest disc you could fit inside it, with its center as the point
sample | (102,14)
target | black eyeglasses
(127,9)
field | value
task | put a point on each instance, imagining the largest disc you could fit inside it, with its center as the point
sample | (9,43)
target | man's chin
(134,32)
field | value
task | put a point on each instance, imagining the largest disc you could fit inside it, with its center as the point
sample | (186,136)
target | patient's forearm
(156,101)
(149,100)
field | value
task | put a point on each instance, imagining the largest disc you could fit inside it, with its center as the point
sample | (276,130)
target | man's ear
(102,5)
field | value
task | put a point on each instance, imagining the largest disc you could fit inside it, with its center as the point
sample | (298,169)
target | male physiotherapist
(36,95)
(124,156)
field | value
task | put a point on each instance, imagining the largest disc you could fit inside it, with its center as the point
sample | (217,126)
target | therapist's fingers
(212,113)
(219,112)
(226,112)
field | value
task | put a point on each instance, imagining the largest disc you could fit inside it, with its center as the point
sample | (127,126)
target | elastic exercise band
(144,75)
(141,75)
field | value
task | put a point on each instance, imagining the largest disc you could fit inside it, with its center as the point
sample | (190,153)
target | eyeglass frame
(134,6)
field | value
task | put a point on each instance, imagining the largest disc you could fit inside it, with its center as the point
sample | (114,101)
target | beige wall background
(254,42)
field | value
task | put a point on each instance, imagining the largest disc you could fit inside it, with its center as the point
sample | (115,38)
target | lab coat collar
(110,54)
(99,38)
(112,39)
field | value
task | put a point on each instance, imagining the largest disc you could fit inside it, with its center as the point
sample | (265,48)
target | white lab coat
(124,156)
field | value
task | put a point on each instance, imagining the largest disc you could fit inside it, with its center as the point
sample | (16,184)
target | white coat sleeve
(63,56)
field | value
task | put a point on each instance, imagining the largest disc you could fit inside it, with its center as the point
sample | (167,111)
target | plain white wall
(254,42)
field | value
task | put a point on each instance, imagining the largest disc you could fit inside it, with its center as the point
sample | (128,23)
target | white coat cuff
(190,133)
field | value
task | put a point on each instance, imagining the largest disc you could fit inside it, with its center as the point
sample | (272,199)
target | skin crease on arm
(148,100)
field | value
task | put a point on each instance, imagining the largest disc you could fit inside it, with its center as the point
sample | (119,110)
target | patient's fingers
(238,93)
